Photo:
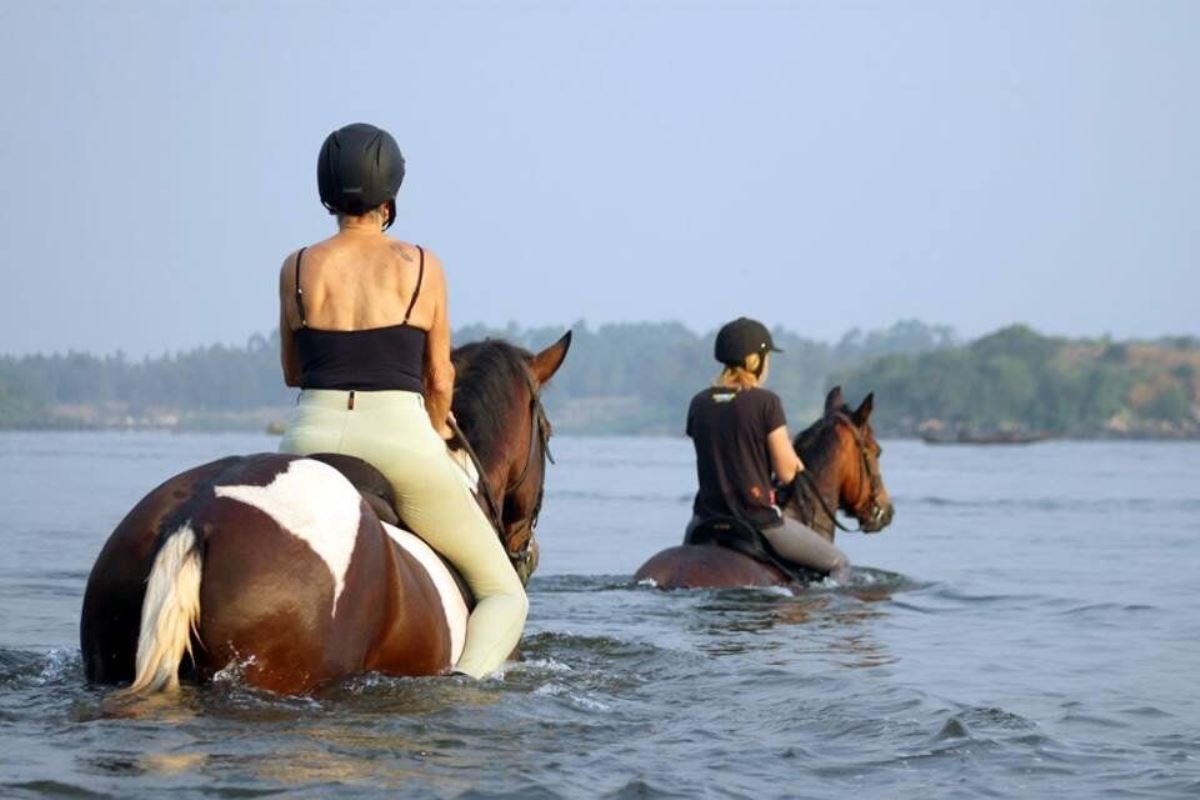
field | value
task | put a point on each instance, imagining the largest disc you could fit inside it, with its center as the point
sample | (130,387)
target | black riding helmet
(740,338)
(359,168)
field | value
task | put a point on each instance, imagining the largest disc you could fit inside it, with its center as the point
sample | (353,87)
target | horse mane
(487,375)
(815,444)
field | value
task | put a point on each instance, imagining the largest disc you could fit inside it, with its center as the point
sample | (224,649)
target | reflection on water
(837,620)
(171,763)
(320,765)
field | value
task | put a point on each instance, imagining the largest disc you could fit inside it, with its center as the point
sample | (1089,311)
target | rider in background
(366,336)
(741,439)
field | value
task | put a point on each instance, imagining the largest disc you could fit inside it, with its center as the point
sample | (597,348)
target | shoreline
(270,429)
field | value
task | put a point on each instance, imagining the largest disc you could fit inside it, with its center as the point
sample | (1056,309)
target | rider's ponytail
(746,375)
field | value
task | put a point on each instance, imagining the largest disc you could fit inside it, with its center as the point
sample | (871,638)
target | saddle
(742,537)
(374,488)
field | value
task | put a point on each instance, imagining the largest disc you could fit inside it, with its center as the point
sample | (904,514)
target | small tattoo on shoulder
(403,251)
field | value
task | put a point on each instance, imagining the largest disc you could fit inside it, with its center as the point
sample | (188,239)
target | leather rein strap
(816,492)
(486,490)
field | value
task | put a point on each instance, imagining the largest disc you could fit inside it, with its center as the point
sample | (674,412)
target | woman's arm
(287,345)
(784,462)
(439,371)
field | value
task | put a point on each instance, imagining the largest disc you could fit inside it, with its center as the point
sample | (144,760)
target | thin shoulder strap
(417,291)
(299,291)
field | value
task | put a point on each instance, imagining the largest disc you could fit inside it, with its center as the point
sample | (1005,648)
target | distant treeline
(1018,380)
(619,378)
(638,378)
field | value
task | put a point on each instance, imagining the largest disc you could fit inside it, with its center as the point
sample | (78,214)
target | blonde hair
(747,375)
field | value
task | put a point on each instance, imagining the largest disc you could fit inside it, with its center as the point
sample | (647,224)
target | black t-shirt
(729,430)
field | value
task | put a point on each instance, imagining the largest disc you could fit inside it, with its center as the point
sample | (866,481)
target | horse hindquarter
(110,620)
(706,567)
(169,613)
(295,584)
(211,559)
(271,564)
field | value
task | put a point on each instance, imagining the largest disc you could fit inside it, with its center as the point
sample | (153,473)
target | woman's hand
(447,430)
(784,461)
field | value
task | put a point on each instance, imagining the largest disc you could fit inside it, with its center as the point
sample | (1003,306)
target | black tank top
(375,359)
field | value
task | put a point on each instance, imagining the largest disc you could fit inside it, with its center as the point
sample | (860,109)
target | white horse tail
(170,612)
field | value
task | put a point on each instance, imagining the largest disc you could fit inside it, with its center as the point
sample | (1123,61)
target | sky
(818,165)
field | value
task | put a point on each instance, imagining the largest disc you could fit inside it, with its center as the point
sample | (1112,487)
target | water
(1028,626)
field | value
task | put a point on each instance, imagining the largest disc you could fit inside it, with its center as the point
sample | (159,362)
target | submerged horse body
(842,472)
(279,565)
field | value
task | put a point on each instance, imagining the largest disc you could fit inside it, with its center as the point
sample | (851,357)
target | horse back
(706,566)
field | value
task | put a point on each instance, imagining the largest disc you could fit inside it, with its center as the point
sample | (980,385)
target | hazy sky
(820,165)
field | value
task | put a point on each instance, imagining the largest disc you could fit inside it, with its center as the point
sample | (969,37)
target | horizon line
(955,338)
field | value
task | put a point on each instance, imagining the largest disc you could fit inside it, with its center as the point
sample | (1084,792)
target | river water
(1029,626)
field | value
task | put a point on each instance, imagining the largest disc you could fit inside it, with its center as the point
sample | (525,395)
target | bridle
(874,479)
(540,431)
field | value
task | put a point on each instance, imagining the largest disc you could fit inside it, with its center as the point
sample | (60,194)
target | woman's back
(353,282)
(363,306)
(729,430)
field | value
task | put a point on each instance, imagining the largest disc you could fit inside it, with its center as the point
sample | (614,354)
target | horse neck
(504,466)
(830,470)
(852,477)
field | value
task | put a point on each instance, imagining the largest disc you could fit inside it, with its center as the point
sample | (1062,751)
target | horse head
(841,456)
(497,402)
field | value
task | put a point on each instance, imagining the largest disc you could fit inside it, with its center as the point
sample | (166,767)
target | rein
(816,492)
(493,511)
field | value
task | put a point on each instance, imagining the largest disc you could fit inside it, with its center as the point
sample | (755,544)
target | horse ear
(833,400)
(864,411)
(547,362)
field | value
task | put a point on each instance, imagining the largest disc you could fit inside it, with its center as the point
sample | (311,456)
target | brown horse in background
(841,458)
(278,565)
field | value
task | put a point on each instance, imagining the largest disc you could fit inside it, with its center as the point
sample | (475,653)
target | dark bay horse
(842,460)
(277,565)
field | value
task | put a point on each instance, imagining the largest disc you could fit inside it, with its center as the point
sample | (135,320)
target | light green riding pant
(392,432)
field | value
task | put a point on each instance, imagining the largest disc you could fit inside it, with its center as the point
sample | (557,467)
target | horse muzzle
(880,518)
(526,561)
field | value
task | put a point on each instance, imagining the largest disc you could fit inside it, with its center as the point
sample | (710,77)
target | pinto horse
(841,458)
(279,565)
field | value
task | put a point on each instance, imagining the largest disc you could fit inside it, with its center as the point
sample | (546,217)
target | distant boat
(276,428)
(968,435)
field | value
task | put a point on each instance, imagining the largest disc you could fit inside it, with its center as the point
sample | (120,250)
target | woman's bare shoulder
(287,270)
(413,254)
(313,254)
